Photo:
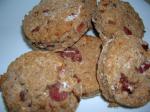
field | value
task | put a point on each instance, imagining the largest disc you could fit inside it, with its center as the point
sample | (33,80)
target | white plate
(12,45)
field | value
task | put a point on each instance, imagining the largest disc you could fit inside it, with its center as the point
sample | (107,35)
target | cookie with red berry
(82,57)
(57,24)
(40,81)
(115,15)
(123,71)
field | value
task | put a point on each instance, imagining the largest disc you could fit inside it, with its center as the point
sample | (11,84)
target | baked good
(123,71)
(33,81)
(82,57)
(40,81)
(57,24)
(115,15)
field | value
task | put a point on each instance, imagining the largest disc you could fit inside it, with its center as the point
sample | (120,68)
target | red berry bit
(23,94)
(126,85)
(36,29)
(72,53)
(145,46)
(81,27)
(145,66)
(127,31)
(77,78)
(55,92)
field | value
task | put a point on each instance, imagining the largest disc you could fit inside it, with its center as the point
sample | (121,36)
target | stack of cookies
(66,65)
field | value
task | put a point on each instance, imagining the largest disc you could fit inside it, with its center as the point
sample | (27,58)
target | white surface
(12,45)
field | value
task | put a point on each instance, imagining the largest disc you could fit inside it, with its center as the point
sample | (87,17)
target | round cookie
(83,57)
(40,81)
(57,24)
(115,15)
(123,71)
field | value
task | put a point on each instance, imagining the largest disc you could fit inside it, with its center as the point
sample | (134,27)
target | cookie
(57,24)
(40,81)
(114,15)
(123,71)
(82,58)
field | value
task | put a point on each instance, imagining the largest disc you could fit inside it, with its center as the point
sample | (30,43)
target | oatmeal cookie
(123,71)
(57,24)
(115,15)
(40,81)
(83,57)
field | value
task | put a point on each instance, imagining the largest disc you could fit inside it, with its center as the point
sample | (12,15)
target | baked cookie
(40,81)
(82,58)
(123,71)
(57,24)
(114,15)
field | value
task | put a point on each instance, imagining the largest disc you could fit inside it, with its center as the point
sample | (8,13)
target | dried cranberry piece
(143,67)
(55,92)
(126,85)
(23,94)
(145,46)
(72,53)
(78,79)
(81,27)
(127,31)
(36,29)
